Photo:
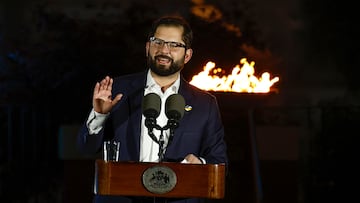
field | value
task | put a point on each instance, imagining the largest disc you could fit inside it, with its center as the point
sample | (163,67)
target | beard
(163,70)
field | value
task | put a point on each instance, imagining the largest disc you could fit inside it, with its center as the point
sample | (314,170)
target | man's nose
(165,48)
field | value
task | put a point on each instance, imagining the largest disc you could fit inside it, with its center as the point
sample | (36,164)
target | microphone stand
(161,145)
(172,124)
(150,123)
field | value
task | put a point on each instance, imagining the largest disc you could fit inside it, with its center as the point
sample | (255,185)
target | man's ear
(188,55)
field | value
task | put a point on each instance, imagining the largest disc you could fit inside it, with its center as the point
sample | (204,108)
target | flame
(241,79)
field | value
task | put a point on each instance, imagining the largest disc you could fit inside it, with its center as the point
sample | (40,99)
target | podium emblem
(159,179)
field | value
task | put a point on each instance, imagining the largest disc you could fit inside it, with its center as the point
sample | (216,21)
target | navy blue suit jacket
(200,130)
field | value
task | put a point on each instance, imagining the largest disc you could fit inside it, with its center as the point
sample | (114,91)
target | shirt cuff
(95,122)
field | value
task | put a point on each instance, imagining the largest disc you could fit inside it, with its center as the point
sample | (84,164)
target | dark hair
(176,21)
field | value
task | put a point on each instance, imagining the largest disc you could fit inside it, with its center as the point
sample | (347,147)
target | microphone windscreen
(151,105)
(174,106)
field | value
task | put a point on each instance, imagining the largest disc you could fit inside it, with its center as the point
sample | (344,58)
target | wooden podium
(165,179)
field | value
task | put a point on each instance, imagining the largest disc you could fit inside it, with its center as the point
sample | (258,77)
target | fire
(241,79)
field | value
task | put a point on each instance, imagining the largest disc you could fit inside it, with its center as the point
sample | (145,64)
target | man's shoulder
(199,92)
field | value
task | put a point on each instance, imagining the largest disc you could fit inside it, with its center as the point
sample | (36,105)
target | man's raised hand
(102,97)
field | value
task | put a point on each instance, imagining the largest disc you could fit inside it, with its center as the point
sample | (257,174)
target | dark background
(53,51)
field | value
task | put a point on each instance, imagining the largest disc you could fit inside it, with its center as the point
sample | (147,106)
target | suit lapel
(185,90)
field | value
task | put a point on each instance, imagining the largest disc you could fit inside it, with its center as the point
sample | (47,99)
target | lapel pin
(188,108)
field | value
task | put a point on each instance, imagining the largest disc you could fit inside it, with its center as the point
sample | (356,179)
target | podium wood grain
(193,180)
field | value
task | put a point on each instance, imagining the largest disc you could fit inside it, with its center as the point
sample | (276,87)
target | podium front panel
(191,180)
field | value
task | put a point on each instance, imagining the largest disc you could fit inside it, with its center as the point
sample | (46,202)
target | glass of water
(111,151)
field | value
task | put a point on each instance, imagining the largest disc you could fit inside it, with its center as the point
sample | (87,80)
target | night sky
(49,46)
(52,52)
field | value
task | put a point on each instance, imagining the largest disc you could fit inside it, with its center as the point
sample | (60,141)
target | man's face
(166,53)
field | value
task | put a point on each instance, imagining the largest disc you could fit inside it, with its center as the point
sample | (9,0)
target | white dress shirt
(149,149)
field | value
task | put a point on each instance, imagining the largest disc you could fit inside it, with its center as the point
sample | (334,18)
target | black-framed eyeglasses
(159,43)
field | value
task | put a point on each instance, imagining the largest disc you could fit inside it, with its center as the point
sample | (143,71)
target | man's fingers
(96,88)
(117,99)
(109,85)
(104,84)
(191,158)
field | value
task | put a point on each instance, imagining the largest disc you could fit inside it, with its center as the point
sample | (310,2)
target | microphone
(174,110)
(151,105)
(174,107)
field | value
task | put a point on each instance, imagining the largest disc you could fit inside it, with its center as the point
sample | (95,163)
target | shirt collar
(153,86)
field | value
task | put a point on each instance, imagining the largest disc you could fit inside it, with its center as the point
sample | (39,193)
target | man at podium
(156,115)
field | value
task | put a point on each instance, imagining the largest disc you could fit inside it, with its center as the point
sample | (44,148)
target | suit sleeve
(214,146)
